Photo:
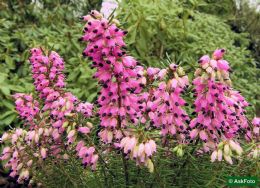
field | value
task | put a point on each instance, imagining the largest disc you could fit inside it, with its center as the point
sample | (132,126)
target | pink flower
(140,152)
(27,107)
(204,60)
(165,104)
(85,108)
(117,73)
(203,135)
(256,121)
(84,130)
(43,153)
(194,133)
(219,108)
(218,54)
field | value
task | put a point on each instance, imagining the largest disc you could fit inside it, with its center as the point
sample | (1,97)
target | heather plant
(140,115)
(53,125)
(219,108)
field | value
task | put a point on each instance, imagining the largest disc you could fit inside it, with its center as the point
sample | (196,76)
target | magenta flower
(121,98)
(27,107)
(140,152)
(164,104)
(117,73)
(219,108)
(50,123)
(256,127)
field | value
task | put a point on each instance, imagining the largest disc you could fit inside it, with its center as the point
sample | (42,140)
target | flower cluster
(121,99)
(165,104)
(224,149)
(49,82)
(124,101)
(30,147)
(85,109)
(219,108)
(57,119)
(117,73)
(27,107)
(140,152)
(88,156)
(47,73)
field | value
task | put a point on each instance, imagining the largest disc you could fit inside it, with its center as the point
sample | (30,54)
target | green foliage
(66,174)
(221,8)
(49,24)
(183,29)
(248,20)
(180,29)
(170,171)
(241,16)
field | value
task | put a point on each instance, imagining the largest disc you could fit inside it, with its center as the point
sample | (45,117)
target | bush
(132,107)
(159,31)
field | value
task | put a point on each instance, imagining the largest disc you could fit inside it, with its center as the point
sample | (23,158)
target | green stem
(187,160)
(125,170)
(119,126)
(100,157)
(105,177)
(157,175)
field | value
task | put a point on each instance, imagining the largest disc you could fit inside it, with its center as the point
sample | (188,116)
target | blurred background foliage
(185,30)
